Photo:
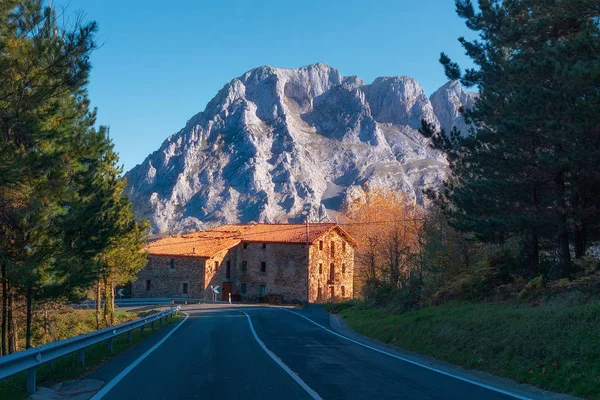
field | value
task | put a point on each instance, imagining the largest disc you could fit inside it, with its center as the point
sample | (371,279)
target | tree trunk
(535,251)
(579,241)
(112,303)
(46,323)
(579,237)
(12,332)
(562,229)
(29,300)
(98,302)
(108,312)
(535,242)
(4,309)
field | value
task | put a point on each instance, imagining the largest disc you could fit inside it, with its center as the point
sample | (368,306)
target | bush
(335,308)
(271,299)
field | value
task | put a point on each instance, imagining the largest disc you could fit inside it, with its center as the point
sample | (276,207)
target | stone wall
(216,276)
(168,282)
(320,284)
(286,272)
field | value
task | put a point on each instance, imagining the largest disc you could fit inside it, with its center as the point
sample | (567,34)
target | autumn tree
(387,225)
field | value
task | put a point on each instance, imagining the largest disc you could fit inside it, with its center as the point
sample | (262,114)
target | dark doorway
(227,289)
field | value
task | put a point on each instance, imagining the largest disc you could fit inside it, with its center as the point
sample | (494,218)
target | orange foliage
(388,226)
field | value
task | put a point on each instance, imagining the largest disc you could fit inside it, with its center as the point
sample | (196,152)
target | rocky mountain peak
(286,144)
(447,103)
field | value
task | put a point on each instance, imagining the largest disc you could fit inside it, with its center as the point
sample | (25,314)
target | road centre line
(461,378)
(291,373)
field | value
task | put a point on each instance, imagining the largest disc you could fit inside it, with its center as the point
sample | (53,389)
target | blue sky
(162,61)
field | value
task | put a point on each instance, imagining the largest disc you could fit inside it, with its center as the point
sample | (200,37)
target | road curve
(222,353)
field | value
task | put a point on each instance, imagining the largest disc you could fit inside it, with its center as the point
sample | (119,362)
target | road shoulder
(338,325)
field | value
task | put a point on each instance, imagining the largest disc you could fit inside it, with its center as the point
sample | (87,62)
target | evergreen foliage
(61,203)
(529,168)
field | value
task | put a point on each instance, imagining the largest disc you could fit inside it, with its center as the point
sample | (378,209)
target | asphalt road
(215,355)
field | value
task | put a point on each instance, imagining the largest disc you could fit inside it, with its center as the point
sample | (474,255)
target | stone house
(301,262)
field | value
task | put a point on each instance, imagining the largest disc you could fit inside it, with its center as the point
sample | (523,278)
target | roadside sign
(215,290)
(120,293)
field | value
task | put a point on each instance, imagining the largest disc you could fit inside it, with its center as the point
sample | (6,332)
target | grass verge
(67,367)
(555,348)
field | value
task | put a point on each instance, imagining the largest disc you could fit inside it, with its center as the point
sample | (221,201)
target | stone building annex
(301,262)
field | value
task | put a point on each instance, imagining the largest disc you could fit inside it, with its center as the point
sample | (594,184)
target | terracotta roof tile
(200,244)
(208,243)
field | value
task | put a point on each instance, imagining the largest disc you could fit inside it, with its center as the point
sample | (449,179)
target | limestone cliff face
(447,103)
(278,145)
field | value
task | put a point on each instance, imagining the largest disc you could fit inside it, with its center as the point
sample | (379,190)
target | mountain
(278,145)
(447,103)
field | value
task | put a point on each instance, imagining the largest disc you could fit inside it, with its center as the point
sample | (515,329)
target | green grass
(555,348)
(67,367)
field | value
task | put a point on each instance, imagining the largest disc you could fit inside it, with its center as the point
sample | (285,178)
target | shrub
(271,299)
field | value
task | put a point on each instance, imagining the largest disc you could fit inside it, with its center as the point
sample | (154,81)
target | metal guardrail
(30,359)
(134,301)
(162,300)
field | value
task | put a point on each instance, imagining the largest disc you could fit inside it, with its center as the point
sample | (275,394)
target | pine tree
(528,168)
(61,203)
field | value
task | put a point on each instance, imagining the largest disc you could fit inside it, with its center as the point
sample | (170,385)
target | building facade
(307,263)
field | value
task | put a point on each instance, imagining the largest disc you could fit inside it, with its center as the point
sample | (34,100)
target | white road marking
(461,378)
(106,388)
(287,369)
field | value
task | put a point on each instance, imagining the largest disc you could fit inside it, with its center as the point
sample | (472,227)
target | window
(244,266)
(245,245)
(261,290)
(148,284)
(149,262)
(264,245)
(332,249)
(228,271)
(216,266)
(320,245)
(263,267)
(343,246)
(172,263)
(332,272)
(320,268)
(332,292)
(343,291)
(343,268)
(243,288)
(185,288)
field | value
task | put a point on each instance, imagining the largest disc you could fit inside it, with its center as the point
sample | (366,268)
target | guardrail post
(129,336)
(81,357)
(31,374)
(142,330)
(152,325)
(109,345)
(160,321)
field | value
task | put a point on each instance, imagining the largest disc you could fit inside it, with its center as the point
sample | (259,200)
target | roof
(208,243)
(199,244)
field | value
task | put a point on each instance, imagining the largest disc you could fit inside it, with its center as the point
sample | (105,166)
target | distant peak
(269,68)
(394,79)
